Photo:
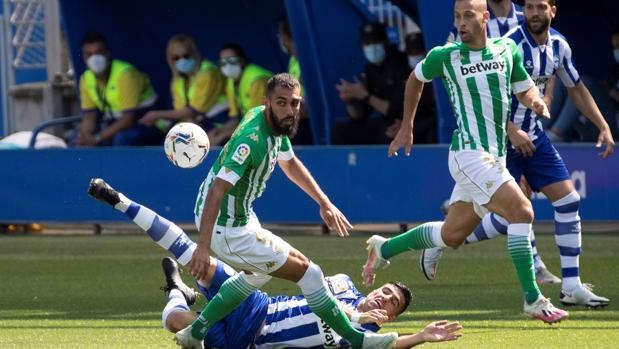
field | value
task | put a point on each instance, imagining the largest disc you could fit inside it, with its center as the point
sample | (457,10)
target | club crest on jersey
(482,67)
(241,153)
(528,64)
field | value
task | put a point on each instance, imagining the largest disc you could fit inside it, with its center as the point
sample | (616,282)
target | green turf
(102,292)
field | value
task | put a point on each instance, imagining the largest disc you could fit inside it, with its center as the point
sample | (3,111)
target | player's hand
(521,142)
(149,118)
(606,137)
(540,108)
(440,331)
(404,138)
(86,140)
(198,266)
(374,316)
(335,219)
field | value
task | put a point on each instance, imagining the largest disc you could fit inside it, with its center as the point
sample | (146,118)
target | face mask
(374,53)
(414,60)
(185,66)
(231,71)
(97,63)
(616,53)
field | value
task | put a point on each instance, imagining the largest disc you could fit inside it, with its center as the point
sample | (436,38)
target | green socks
(519,246)
(423,236)
(231,293)
(326,308)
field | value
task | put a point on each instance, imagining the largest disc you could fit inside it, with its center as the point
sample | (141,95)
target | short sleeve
(285,150)
(567,69)
(432,66)
(519,79)
(86,103)
(239,156)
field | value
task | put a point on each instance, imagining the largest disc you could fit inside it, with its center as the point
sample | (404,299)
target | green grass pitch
(103,292)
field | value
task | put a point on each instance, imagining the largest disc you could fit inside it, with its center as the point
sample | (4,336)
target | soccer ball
(186,145)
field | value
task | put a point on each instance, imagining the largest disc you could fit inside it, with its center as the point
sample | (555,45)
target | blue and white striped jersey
(497,26)
(291,324)
(541,62)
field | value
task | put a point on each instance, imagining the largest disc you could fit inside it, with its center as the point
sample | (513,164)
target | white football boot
(428,261)
(543,310)
(186,340)
(375,259)
(583,296)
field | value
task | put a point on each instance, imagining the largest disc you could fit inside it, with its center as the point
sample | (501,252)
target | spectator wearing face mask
(425,130)
(568,124)
(286,42)
(197,88)
(113,96)
(246,86)
(374,102)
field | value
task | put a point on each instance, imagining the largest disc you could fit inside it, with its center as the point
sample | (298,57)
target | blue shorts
(238,329)
(545,167)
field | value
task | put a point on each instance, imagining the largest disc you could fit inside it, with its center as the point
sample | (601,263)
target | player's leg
(177,315)
(165,233)
(245,315)
(299,269)
(509,201)
(565,201)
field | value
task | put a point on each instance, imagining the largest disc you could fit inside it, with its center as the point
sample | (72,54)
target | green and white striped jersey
(479,84)
(247,161)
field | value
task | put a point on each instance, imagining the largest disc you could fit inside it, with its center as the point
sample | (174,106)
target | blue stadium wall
(50,185)
(326,32)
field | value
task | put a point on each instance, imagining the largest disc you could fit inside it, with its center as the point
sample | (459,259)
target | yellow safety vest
(187,94)
(241,99)
(294,69)
(108,101)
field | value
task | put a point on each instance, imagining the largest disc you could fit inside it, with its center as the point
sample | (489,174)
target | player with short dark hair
(546,53)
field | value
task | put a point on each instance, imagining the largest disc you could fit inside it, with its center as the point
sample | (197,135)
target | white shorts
(478,176)
(250,247)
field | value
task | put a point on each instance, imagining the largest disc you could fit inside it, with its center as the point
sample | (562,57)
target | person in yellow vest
(197,88)
(286,43)
(246,88)
(113,95)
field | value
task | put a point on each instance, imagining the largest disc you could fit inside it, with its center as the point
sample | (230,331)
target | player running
(479,75)
(546,53)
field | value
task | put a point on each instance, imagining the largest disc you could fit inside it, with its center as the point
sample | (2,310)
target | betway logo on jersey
(482,67)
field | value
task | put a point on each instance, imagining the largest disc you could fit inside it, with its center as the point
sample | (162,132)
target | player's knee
(453,241)
(521,212)
(312,280)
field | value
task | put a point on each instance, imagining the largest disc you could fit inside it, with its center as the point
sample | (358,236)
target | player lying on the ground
(379,308)
(286,321)
(532,154)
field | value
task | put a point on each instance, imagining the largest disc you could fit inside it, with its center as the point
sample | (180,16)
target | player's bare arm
(585,103)
(299,175)
(438,331)
(199,264)
(404,137)
(532,99)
